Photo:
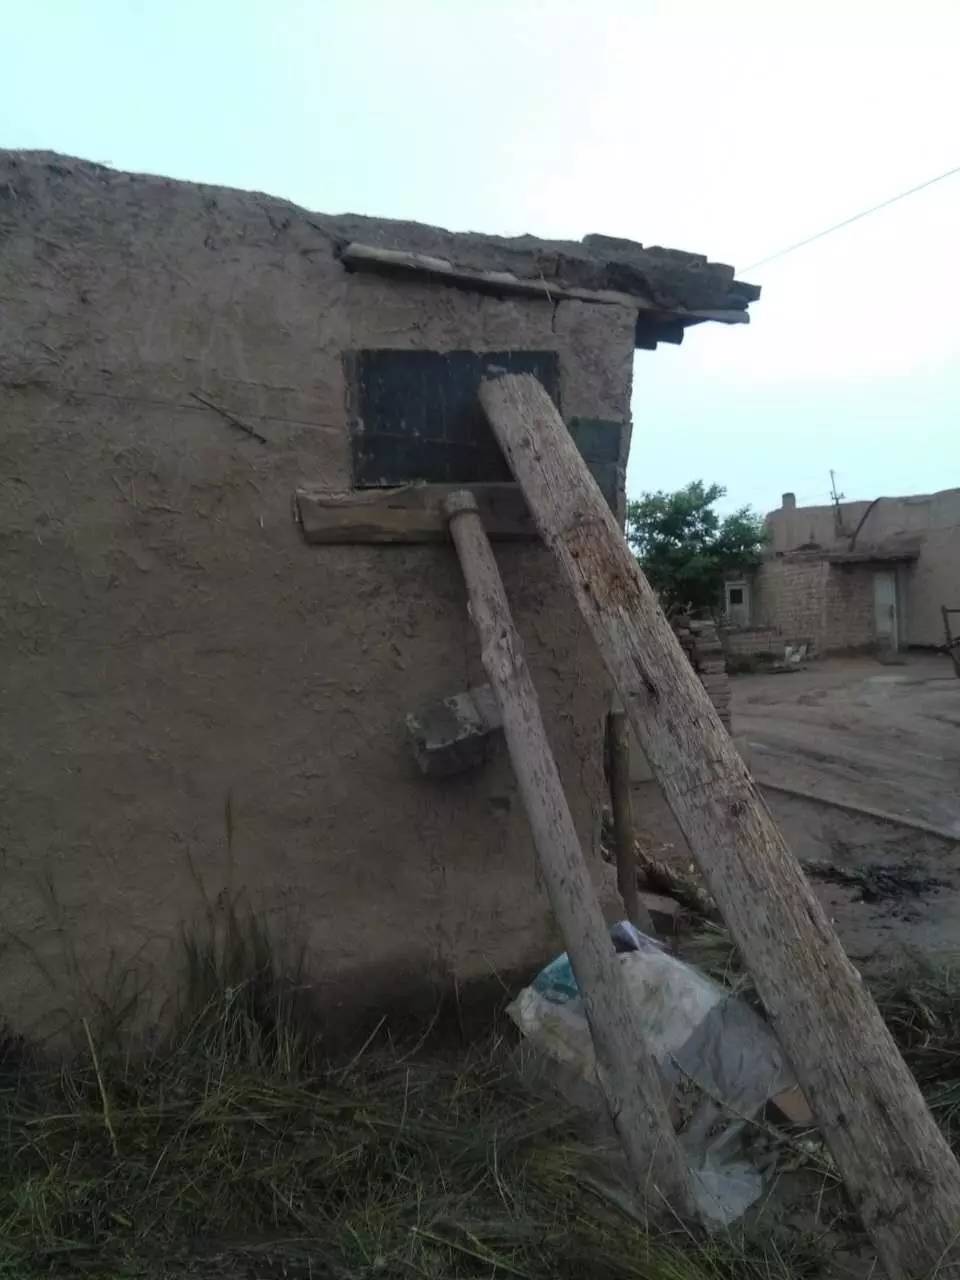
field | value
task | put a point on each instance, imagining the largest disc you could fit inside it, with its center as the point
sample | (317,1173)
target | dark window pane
(416,416)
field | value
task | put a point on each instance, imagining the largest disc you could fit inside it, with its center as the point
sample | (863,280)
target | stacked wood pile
(700,641)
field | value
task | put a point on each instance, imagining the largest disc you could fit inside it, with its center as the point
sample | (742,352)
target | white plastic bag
(698,1033)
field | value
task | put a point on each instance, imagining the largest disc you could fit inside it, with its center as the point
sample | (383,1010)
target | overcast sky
(725,127)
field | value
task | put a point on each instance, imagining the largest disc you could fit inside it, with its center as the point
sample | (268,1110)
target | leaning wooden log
(621,805)
(628,1074)
(899,1171)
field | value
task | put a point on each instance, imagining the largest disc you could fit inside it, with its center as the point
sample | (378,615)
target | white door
(738,603)
(885,609)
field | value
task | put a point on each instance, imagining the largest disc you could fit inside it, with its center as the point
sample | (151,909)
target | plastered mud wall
(196,705)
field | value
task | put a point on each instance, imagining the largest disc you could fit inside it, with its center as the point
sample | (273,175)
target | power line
(884,204)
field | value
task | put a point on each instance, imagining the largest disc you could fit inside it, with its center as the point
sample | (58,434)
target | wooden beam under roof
(362,257)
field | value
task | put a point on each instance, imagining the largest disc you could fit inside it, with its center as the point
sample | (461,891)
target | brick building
(857,575)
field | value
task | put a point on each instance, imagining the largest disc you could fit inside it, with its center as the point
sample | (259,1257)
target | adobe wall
(932,519)
(934,580)
(170,640)
(792,527)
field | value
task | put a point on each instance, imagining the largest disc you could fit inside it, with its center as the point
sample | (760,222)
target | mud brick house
(857,575)
(199,705)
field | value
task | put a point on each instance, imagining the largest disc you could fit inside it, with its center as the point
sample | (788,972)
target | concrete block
(455,734)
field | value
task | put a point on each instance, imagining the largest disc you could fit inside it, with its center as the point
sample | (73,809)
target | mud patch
(890,885)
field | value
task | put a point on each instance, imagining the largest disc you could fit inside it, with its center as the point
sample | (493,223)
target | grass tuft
(245,996)
(921,1006)
(234,1149)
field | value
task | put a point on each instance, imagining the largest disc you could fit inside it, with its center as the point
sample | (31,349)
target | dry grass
(921,1006)
(234,1150)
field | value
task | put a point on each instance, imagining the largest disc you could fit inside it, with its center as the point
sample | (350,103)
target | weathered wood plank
(363,257)
(899,1171)
(624,836)
(411,514)
(628,1074)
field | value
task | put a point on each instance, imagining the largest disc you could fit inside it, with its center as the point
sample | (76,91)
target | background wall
(197,704)
(789,594)
(849,606)
(931,519)
(807,598)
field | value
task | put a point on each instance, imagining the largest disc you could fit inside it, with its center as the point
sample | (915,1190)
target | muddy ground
(884,740)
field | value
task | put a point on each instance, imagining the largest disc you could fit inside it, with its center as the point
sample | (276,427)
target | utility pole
(837,514)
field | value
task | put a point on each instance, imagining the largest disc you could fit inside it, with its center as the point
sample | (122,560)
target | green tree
(686,548)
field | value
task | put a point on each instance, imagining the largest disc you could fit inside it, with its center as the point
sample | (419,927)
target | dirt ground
(853,730)
(879,738)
